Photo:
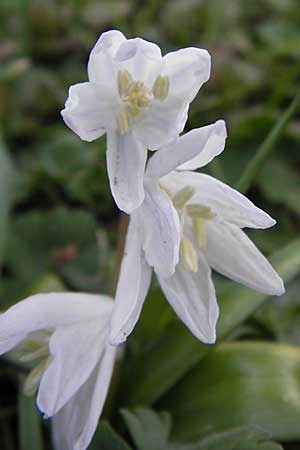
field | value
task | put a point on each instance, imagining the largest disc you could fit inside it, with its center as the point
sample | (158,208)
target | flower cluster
(182,224)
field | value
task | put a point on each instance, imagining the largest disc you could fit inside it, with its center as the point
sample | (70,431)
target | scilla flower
(140,99)
(189,223)
(65,334)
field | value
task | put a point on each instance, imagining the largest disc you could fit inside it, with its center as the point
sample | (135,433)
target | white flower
(189,223)
(140,99)
(66,333)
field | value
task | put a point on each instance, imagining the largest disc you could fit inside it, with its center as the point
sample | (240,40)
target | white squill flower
(189,223)
(140,99)
(66,335)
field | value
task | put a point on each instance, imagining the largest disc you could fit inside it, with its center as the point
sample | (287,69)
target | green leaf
(268,145)
(106,438)
(30,427)
(238,384)
(175,352)
(149,430)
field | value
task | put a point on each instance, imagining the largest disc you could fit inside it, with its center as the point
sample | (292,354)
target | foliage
(58,225)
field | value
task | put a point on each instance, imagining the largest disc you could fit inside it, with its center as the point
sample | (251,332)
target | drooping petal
(75,350)
(126,160)
(213,140)
(194,149)
(141,58)
(75,424)
(230,252)
(161,230)
(133,285)
(187,70)
(192,296)
(89,110)
(102,68)
(48,311)
(228,203)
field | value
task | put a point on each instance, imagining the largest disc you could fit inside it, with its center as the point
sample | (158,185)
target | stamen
(183,196)
(34,377)
(123,120)
(124,81)
(200,211)
(165,189)
(188,254)
(199,231)
(160,87)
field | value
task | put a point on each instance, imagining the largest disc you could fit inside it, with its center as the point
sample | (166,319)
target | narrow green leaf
(106,438)
(238,384)
(30,427)
(176,351)
(149,430)
(268,145)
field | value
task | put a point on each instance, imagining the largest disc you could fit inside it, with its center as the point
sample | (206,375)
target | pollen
(188,254)
(160,88)
(183,196)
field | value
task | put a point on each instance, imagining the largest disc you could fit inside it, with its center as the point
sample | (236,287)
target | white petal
(47,311)
(126,160)
(211,142)
(194,149)
(89,110)
(228,203)
(187,70)
(75,351)
(230,252)
(161,230)
(74,426)
(102,68)
(141,58)
(161,123)
(133,285)
(192,295)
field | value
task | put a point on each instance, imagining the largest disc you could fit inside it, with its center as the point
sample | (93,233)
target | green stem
(266,148)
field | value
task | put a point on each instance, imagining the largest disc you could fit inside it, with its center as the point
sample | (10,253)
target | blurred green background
(59,226)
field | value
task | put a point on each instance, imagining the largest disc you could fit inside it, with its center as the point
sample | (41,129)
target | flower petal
(141,58)
(161,230)
(211,142)
(192,295)
(194,149)
(88,110)
(228,203)
(230,252)
(161,123)
(187,70)
(75,350)
(133,285)
(75,424)
(101,66)
(47,311)
(126,160)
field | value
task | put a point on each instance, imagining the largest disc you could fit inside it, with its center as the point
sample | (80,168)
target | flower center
(136,97)
(198,215)
(35,348)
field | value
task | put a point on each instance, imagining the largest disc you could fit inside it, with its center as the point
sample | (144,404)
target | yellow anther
(124,81)
(123,120)
(34,377)
(200,211)
(188,254)
(199,231)
(160,87)
(183,196)
(165,189)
